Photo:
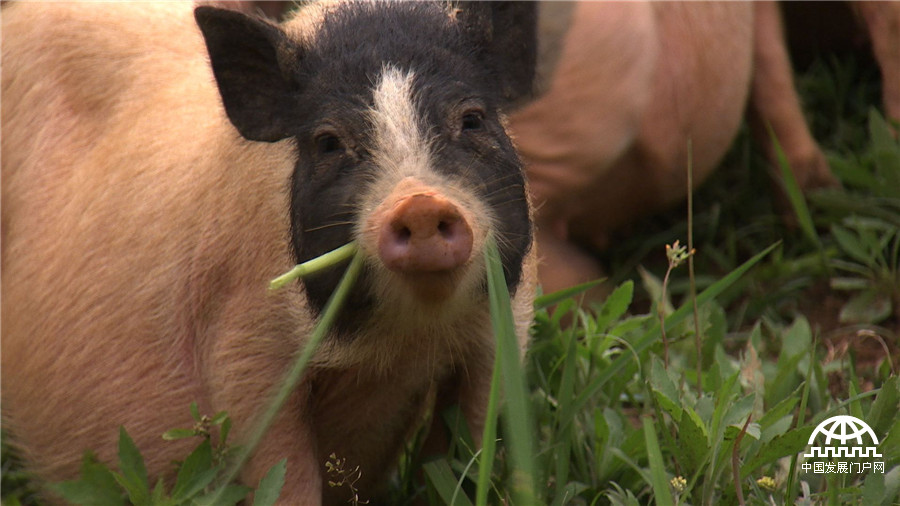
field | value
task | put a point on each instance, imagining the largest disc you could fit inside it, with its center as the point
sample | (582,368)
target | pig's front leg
(288,437)
(775,102)
(469,387)
(883,23)
(247,363)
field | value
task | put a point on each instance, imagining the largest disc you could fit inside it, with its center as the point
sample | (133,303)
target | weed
(195,483)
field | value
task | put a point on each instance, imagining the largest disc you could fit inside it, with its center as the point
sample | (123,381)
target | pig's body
(140,231)
(635,81)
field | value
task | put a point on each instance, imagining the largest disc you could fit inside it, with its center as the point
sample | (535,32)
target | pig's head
(396,110)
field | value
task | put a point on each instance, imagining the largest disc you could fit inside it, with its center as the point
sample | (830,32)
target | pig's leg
(252,350)
(564,264)
(775,103)
(883,22)
(289,436)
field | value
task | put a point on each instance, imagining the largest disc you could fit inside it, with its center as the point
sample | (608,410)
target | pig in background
(142,221)
(634,81)
(626,84)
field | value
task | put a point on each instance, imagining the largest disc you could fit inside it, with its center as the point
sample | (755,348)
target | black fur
(463,74)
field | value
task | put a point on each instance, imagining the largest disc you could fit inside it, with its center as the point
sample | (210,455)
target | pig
(633,82)
(882,21)
(162,163)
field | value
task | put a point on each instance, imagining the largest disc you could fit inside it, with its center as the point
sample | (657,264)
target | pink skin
(424,233)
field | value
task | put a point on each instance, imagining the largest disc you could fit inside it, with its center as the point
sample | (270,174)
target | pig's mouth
(432,287)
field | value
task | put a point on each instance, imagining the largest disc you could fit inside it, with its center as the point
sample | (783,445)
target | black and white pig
(162,163)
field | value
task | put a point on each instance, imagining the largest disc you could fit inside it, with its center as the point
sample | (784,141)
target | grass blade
(550,299)
(518,425)
(658,480)
(444,482)
(329,259)
(489,438)
(795,195)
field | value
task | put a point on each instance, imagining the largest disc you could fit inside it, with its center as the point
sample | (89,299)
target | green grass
(616,426)
(597,416)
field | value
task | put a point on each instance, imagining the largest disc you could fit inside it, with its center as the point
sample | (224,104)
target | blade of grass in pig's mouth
(317,264)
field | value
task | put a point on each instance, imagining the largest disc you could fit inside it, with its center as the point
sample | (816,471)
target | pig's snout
(424,233)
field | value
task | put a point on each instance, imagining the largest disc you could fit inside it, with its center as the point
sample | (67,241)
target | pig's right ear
(251,60)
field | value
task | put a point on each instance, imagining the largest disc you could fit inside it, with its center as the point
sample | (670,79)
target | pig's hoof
(812,171)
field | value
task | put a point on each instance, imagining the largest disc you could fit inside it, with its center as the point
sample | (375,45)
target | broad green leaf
(565,396)
(219,418)
(732,431)
(845,283)
(782,385)
(224,430)
(851,245)
(615,305)
(790,443)
(196,472)
(887,155)
(134,474)
(664,388)
(174,434)
(781,409)
(158,498)
(723,402)
(797,339)
(229,495)
(270,486)
(868,306)
(884,409)
(881,489)
(738,412)
(693,440)
(890,444)
(620,497)
(654,288)
(96,486)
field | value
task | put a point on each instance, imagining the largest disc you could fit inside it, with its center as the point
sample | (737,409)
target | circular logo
(844,428)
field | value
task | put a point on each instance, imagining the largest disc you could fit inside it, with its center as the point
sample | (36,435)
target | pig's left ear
(251,60)
(506,34)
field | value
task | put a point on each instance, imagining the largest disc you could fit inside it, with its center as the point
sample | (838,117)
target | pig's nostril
(403,235)
(446,229)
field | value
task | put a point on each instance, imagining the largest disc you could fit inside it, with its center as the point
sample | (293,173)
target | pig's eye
(472,121)
(328,143)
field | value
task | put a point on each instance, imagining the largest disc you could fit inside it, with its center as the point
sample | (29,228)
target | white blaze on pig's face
(421,230)
(400,145)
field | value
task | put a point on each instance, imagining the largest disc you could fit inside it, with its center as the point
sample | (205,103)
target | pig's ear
(251,60)
(506,34)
